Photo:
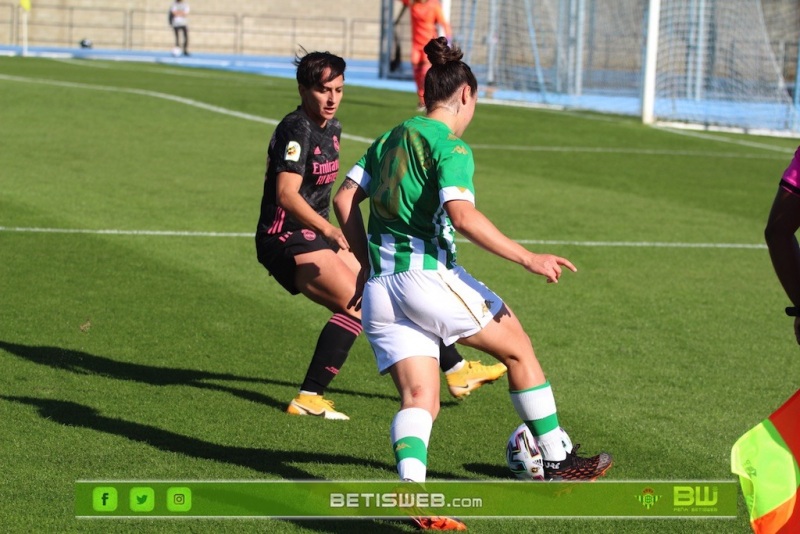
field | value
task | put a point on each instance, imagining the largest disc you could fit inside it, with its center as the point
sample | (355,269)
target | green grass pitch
(143,341)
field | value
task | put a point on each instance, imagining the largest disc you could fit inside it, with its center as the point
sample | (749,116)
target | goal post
(651,57)
(699,63)
(717,68)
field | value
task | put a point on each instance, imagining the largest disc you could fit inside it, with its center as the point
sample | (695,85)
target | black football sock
(448,357)
(333,345)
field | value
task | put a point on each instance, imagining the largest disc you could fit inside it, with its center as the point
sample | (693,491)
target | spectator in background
(783,222)
(427,19)
(179,20)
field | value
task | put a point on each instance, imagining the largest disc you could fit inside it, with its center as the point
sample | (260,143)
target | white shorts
(407,314)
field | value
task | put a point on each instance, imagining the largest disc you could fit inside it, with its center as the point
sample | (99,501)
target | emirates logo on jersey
(309,235)
(336,143)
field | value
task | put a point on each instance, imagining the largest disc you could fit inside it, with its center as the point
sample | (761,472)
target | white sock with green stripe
(537,407)
(411,431)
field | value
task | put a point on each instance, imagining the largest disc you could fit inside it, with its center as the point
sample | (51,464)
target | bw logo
(695,496)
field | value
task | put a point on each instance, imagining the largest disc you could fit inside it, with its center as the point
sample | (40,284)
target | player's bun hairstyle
(447,73)
(311,66)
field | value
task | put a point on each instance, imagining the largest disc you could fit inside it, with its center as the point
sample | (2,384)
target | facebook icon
(104,499)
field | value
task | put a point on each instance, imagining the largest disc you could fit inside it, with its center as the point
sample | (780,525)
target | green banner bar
(355,499)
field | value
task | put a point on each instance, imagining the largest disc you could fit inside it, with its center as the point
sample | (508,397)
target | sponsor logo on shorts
(292,151)
(309,235)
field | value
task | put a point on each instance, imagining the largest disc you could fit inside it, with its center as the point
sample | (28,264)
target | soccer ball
(523,455)
(176,52)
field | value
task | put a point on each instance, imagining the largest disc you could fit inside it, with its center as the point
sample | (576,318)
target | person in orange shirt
(426,15)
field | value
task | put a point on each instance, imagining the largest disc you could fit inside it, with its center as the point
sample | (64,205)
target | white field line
(366,140)
(80,62)
(167,233)
(177,71)
(641,151)
(722,139)
(163,96)
(255,118)
(180,233)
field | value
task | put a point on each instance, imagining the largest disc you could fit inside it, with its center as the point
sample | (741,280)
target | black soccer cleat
(575,467)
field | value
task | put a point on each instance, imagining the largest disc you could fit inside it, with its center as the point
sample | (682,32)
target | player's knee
(512,360)
(419,396)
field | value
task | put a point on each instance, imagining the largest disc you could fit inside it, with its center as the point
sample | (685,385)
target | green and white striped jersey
(409,173)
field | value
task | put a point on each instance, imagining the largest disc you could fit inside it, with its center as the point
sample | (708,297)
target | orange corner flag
(766,460)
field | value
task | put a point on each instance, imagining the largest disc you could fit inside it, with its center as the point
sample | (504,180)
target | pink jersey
(791,176)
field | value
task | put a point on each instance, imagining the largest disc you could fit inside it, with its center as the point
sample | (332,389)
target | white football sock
(410,433)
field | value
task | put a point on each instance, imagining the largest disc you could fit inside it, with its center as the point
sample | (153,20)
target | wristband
(793,311)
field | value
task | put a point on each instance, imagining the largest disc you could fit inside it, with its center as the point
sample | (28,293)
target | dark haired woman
(307,254)
(418,179)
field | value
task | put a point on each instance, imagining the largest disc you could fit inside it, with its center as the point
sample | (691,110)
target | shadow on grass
(492,471)
(80,362)
(273,462)
(276,462)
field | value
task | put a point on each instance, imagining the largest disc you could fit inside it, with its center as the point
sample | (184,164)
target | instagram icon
(179,499)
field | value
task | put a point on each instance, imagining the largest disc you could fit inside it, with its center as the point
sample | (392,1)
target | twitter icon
(142,499)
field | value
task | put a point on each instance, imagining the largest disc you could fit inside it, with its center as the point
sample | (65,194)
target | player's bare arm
(345,206)
(476,227)
(290,199)
(348,184)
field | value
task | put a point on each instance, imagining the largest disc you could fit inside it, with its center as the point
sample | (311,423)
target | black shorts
(276,253)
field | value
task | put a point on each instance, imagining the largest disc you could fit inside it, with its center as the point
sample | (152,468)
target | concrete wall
(347,27)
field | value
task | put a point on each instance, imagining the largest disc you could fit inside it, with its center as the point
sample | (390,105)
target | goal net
(718,63)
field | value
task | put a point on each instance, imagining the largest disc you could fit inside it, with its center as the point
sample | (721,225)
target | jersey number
(386,200)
